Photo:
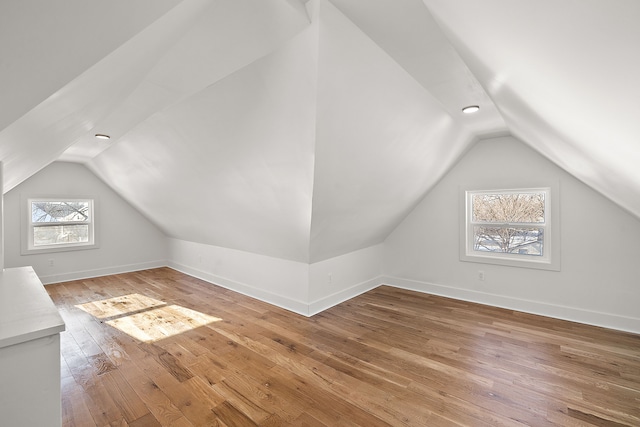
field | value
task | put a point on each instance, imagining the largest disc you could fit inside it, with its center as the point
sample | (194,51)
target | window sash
(470,237)
(522,245)
(532,191)
(88,202)
(32,245)
(75,237)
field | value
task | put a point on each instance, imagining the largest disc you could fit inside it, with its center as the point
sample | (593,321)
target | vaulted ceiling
(308,129)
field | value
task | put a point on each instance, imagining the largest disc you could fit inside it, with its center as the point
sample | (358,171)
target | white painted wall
(275,280)
(599,277)
(296,286)
(237,138)
(1,218)
(597,282)
(127,240)
(382,140)
(337,279)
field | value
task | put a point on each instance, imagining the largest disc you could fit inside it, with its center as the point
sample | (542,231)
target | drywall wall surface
(382,140)
(274,280)
(240,143)
(127,241)
(599,269)
(296,286)
(338,279)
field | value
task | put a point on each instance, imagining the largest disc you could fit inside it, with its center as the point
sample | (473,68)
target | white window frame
(550,258)
(28,247)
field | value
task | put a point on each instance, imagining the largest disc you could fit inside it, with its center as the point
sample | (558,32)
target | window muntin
(60,223)
(509,227)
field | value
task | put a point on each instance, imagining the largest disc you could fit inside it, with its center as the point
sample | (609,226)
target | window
(509,227)
(60,224)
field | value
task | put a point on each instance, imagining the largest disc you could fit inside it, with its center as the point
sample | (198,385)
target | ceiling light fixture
(470,109)
(102,136)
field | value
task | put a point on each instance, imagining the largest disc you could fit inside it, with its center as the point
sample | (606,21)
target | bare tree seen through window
(60,222)
(509,222)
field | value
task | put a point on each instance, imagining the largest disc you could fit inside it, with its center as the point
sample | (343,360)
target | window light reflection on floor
(146,319)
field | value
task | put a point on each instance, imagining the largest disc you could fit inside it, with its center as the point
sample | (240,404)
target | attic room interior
(276,212)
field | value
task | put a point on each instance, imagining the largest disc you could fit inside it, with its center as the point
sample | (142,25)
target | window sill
(505,260)
(53,249)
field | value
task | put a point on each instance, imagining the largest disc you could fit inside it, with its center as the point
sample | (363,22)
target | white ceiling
(564,75)
(308,129)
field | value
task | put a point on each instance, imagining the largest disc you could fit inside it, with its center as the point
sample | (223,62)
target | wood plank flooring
(159,348)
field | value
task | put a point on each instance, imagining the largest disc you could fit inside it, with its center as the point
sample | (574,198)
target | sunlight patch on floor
(159,323)
(146,319)
(119,306)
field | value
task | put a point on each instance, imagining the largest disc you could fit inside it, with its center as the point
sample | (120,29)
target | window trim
(550,260)
(28,248)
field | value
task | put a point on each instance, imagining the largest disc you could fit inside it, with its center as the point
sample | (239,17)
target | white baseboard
(339,297)
(290,304)
(606,320)
(87,274)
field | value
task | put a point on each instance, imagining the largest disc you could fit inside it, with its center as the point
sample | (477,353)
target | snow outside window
(509,227)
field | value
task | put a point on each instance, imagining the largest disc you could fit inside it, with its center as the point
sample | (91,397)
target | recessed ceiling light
(470,109)
(102,136)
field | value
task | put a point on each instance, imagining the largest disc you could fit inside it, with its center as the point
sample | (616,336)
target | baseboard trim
(329,301)
(290,304)
(98,272)
(594,318)
(606,320)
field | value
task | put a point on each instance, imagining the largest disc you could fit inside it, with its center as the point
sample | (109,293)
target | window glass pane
(60,234)
(508,207)
(512,240)
(71,211)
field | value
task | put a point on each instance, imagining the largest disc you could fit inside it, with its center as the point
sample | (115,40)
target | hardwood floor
(159,348)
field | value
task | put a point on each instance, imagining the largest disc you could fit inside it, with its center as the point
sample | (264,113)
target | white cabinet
(30,327)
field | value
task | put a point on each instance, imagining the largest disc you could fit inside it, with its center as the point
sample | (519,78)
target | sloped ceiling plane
(305,130)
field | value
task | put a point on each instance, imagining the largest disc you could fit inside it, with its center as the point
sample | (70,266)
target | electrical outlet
(481,275)
(51,262)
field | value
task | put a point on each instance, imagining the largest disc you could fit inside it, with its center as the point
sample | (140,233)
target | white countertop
(26,310)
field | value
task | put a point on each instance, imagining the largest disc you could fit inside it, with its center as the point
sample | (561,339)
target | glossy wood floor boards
(159,348)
